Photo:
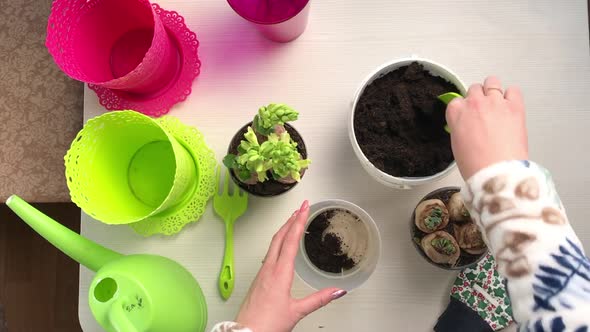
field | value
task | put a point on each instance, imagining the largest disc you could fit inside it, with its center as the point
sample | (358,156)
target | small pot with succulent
(444,233)
(267,157)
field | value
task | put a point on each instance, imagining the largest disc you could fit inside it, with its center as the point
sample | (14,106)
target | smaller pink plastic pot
(278,20)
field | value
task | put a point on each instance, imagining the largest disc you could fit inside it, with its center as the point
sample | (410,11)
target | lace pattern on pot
(180,88)
(172,221)
(63,33)
(82,153)
(60,40)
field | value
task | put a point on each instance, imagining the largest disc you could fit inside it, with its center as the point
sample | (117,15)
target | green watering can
(134,293)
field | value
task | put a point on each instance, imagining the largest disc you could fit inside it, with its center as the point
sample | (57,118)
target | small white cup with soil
(397,123)
(268,157)
(340,248)
(443,232)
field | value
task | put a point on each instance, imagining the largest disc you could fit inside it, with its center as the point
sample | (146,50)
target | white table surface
(540,45)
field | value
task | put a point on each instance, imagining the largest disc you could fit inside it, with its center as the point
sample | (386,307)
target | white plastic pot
(389,180)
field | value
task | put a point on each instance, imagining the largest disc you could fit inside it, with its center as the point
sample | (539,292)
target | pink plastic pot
(133,54)
(111,43)
(278,20)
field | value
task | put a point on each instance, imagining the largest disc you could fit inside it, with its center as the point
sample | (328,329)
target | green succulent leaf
(304,163)
(230,161)
(296,175)
(275,176)
(443,245)
(260,128)
(434,219)
(273,114)
(250,142)
(244,174)
(249,160)
(286,159)
(250,137)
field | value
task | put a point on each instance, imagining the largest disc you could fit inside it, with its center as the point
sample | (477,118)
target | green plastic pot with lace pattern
(124,167)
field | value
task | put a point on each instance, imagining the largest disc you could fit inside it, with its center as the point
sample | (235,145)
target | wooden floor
(38,284)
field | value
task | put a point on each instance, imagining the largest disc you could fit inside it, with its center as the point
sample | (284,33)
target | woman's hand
(269,307)
(488,126)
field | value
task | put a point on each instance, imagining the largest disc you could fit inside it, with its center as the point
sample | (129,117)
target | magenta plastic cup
(116,44)
(278,20)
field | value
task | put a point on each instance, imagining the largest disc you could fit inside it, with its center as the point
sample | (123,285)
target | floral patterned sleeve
(230,327)
(521,217)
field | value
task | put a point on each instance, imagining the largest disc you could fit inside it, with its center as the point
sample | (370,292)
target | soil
(325,252)
(271,187)
(399,122)
(465,258)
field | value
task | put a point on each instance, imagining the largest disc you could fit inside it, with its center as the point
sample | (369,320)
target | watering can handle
(119,319)
(226,276)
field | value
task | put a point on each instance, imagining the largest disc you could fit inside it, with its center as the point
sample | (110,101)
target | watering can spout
(80,249)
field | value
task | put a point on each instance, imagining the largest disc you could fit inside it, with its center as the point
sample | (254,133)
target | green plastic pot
(123,167)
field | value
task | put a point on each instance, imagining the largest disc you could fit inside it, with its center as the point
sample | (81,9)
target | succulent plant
(273,117)
(443,245)
(441,248)
(278,154)
(431,215)
(249,160)
(286,159)
(434,219)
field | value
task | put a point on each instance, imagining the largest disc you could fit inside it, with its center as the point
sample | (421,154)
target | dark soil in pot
(327,250)
(465,259)
(271,187)
(399,122)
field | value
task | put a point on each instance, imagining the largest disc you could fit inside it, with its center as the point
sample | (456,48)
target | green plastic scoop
(446,98)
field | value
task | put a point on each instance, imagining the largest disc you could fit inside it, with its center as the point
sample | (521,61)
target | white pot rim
(379,175)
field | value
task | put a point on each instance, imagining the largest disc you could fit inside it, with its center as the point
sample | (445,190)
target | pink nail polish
(338,294)
(305,205)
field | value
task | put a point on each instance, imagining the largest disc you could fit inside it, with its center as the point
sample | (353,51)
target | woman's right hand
(487,126)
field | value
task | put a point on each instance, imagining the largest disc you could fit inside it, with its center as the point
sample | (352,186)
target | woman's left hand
(269,307)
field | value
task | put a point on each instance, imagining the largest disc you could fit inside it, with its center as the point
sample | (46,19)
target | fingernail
(304,206)
(338,294)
